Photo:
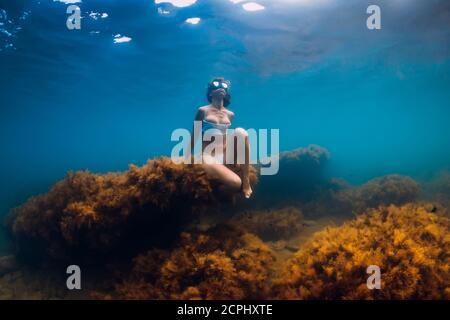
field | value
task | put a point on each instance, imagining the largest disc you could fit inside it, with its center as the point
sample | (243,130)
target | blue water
(71,100)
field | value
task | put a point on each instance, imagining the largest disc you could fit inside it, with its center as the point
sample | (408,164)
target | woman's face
(218,94)
(220,88)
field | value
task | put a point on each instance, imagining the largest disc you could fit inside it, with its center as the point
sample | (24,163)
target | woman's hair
(211,88)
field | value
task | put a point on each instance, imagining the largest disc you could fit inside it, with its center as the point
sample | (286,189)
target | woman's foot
(247,189)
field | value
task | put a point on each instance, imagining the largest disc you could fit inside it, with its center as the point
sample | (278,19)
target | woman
(216,116)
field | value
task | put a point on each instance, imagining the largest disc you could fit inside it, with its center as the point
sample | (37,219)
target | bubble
(9,28)
(6,32)
(3,16)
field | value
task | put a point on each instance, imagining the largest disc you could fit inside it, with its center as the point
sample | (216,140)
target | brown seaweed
(410,244)
(222,263)
(89,215)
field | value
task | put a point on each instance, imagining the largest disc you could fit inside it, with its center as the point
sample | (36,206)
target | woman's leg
(242,134)
(220,172)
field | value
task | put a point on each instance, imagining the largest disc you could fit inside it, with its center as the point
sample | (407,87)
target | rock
(309,223)
(292,248)
(278,245)
(8,264)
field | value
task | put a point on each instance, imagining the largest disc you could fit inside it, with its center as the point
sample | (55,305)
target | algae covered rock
(410,244)
(386,190)
(223,263)
(88,215)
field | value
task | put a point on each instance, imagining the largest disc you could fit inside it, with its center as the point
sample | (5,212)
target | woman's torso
(217,118)
(216,115)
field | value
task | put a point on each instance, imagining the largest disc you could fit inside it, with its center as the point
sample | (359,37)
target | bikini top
(222,127)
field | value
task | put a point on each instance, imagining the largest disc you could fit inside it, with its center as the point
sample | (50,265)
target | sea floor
(38,284)
(192,247)
(283,249)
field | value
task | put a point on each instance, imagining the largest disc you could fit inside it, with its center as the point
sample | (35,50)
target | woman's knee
(234,182)
(241,132)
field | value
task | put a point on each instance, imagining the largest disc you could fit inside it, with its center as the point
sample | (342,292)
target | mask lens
(215,84)
(224,85)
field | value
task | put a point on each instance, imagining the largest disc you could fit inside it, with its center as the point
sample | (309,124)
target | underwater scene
(116,118)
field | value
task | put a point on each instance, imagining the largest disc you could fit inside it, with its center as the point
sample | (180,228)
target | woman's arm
(199,116)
